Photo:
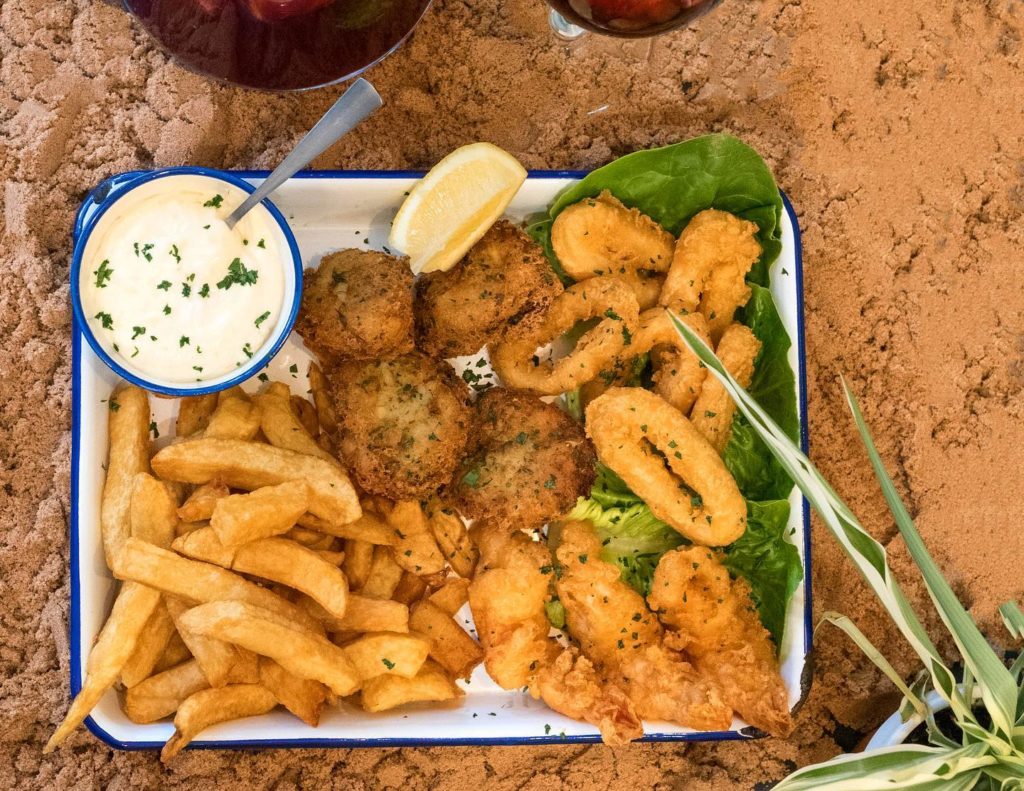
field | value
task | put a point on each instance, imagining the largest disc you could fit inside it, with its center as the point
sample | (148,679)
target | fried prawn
(712,618)
(654,449)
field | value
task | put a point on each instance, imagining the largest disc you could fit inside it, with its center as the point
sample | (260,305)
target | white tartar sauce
(172,292)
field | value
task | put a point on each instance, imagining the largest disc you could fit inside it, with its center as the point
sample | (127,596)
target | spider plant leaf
(906,766)
(1013,618)
(998,690)
(867,554)
(850,628)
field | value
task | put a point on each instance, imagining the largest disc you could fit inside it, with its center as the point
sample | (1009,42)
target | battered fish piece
(507,597)
(714,408)
(602,236)
(357,305)
(527,464)
(503,281)
(404,424)
(713,619)
(624,640)
(712,257)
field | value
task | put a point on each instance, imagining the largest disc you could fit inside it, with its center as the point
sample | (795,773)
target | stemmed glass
(571,19)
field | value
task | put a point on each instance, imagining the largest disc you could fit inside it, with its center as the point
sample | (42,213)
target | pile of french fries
(252,576)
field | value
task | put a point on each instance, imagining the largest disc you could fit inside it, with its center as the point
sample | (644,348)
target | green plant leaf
(916,767)
(998,689)
(867,554)
(1013,618)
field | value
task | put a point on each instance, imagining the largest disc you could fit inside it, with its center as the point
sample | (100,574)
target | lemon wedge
(451,207)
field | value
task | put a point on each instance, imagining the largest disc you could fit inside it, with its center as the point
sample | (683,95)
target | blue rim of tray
(97,195)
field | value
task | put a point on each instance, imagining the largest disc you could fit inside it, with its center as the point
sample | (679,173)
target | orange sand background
(895,127)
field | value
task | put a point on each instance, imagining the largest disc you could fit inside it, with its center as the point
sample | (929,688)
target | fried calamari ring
(713,255)
(607,298)
(632,429)
(679,374)
(601,236)
(714,409)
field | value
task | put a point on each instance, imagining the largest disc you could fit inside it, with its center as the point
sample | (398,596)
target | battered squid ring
(713,255)
(623,424)
(679,375)
(608,298)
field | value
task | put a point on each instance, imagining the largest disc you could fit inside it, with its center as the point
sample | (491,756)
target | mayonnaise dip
(171,292)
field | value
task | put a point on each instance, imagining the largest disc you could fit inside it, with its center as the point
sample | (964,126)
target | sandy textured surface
(896,128)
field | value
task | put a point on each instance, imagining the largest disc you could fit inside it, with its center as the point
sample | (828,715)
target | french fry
(410,588)
(416,550)
(194,414)
(283,428)
(149,647)
(389,691)
(216,658)
(384,575)
(232,392)
(250,465)
(200,504)
(361,615)
(377,653)
(275,559)
(313,539)
(453,540)
(358,560)
(153,511)
(211,706)
(267,633)
(114,646)
(450,646)
(184,528)
(302,697)
(369,527)
(267,511)
(162,694)
(306,413)
(234,418)
(332,557)
(194,581)
(322,398)
(128,431)
(174,653)
(452,595)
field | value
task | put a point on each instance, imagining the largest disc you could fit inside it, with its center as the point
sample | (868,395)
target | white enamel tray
(328,211)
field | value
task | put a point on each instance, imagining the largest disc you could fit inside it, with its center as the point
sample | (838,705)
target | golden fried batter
(404,424)
(714,409)
(606,298)
(507,598)
(656,450)
(528,462)
(623,639)
(357,305)
(713,620)
(503,281)
(601,236)
(714,253)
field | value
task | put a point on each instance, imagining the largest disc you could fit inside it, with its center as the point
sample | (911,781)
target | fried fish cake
(528,462)
(357,305)
(503,280)
(404,424)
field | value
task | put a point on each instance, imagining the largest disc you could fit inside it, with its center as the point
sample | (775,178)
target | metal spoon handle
(358,102)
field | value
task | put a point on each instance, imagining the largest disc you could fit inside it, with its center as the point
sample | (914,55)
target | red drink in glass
(631,18)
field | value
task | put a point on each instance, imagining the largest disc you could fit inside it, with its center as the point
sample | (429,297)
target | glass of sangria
(623,18)
(280,45)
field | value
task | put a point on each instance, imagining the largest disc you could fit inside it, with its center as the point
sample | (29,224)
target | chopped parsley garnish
(137,331)
(105,319)
(113,405)
(247,350)
(388,663)
(433,437)
(167,310)
(134,353)
(262,318)
(263,378)
(103,273)
(183,341)
(293,368)
(143,250)
(215,201)
(550,483)
(582,558)
(197,368)
(204,292)
(472,478)
(627,336)
(262,244)
(696,501)
(154,430)
(186,290)
(165,285)
(175,254)
(521,438)
(612,315)
(709,413)
(237,273)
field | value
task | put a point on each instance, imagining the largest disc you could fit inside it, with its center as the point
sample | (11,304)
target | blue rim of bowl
(111,185)
(82,238)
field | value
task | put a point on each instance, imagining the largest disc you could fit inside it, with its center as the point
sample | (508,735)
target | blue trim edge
(98,195)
